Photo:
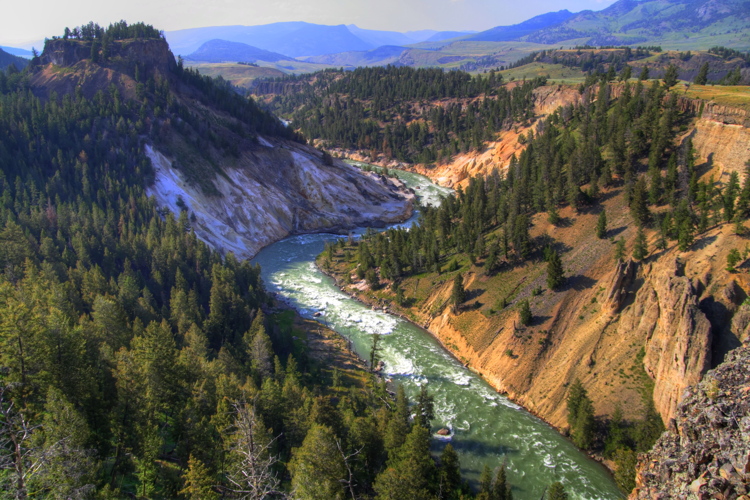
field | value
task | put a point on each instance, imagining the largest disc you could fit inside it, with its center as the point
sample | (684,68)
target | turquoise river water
(487,427)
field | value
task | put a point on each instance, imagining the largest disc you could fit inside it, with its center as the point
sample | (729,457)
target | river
(487,427)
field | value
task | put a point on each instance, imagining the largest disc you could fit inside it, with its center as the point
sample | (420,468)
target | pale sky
(22,23)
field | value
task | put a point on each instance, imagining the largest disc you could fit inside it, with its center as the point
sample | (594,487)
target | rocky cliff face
(670,318)
(665,312)
(278,189)
(153,56)
(722,142)
(498,153)
(620,329)
(65,67)
(705,452)
(242,191)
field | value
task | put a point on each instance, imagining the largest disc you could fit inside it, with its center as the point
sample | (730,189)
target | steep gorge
(655,326)
(242,189)
(720,134)
(277,189)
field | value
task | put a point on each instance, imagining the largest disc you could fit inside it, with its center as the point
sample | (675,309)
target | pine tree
(702,76)
(198,481)
(492,258)
(553,216)
(670,76)
(625,464)
(584,426)
(743,202)
(656,189)
(580,415)
(619,250)
(398,424)
(525,311)
(615,433)
(639,204)
(67,469)
(458,294)
(555,272)
(375,350)
(400,298)
(644,74)
(371,277)
(649,428)
(521,238)
(450,473)
(485,482)
(501,487)
(730,195)
(425,411)
(412,472)
(685,235)
(640,249)
(259,348)
(576,393)
(317,467)
(601,225)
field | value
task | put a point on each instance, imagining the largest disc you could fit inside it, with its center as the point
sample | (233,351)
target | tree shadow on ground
(579,283)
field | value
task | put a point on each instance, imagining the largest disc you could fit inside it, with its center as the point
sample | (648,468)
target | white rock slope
(279,188)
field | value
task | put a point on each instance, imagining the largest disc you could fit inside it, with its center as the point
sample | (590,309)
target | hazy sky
(22,23)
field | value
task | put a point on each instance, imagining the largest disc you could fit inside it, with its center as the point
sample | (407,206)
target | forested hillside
(412,115)
(696,24)
(716,66)
(134,360)
(490,270)
(9,59)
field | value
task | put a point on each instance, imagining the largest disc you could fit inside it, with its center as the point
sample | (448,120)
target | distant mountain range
(7,59)
(517,31)
(674,24)
(223,50)
(17,52)
(299,39)
(387,54)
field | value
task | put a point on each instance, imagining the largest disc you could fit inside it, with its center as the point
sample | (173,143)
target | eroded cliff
(720,134)
(244,179)
(278,189)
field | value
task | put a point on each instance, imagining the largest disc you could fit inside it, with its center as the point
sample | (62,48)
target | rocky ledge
(705,453)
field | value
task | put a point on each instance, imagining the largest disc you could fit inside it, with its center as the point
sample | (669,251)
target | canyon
(622,329)
(265,189)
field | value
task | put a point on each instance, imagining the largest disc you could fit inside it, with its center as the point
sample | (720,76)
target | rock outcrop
(722,148)
(242,191)
(665,312)
(280,188)
(705,452)
(152,55)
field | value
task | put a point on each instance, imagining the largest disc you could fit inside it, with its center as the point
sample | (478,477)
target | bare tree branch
(253,477)
(348,482)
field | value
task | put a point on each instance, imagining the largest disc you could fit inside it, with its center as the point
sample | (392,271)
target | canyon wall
(278,189)
(242,191)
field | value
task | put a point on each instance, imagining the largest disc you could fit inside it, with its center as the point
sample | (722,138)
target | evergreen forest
(137,362)
(411,115)
(578,151)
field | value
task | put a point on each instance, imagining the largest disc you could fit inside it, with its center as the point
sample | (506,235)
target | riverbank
(487,429)
(356,292)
